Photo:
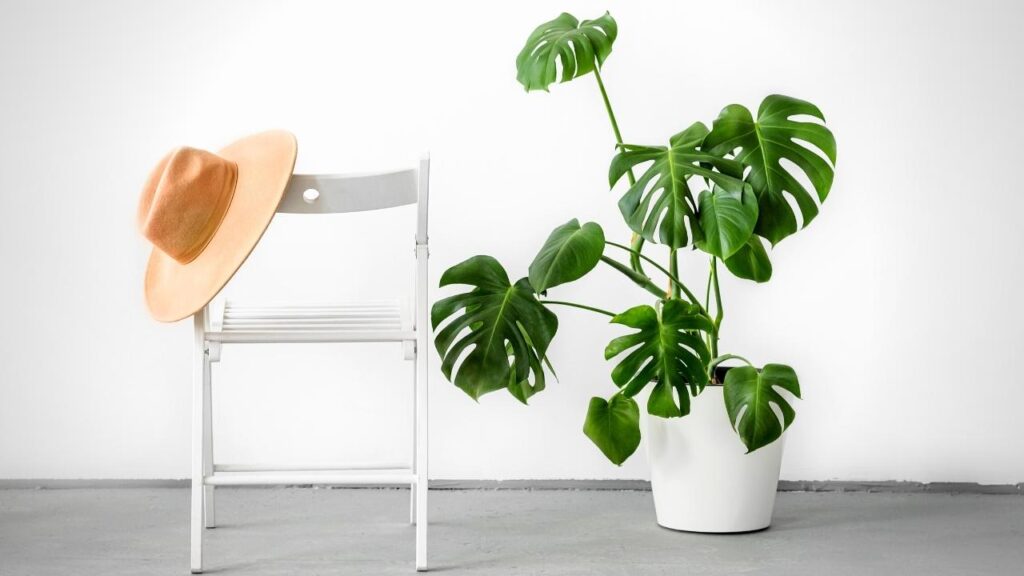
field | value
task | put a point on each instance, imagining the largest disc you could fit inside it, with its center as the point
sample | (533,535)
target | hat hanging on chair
(204,212)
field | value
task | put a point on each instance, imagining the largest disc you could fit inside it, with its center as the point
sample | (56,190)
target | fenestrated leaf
(727,219)
(568,254)
(751,261)
(579,47)
(749,396)
(660,204)
(614,426)
(501,337)
(667,349)
(763,144)
(523,389)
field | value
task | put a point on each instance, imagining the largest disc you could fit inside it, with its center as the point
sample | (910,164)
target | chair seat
(368,321)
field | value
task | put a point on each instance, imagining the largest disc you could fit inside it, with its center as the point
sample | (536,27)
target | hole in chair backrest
(311,195)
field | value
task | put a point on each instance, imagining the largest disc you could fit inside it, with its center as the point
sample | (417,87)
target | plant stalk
(580,306)
(637,241)
(660,268)
(719,311)
(641,280)
(707,306)
(707,293)
(673,266)
(718,360)
(724,357)
(611,116)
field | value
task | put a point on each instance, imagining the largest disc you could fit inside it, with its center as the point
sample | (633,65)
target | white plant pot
(701,476)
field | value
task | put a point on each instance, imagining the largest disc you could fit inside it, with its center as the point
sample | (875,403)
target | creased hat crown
(184,201)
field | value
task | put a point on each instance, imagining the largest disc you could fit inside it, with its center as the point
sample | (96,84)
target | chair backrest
(337,193)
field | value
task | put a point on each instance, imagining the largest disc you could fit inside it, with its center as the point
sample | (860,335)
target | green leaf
(579,47)
(749,396)
(727,220)
(568,254)
(751,261)
(501,338)
(523,389)
(763,144)
(667,349)
(660,204)
(614,426)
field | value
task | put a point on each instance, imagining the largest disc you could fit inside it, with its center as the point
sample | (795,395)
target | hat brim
(265,163)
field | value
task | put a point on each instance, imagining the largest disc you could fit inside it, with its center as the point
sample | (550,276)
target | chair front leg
(199,363)
(209,504)
(422,476)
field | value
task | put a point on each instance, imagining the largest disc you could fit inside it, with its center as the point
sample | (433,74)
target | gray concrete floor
(480,532)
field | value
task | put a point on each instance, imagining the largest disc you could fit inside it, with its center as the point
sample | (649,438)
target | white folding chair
(341,322)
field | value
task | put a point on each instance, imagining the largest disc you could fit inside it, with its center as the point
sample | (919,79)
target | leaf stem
(637,243)
(707,293)
(580,306)
(637,240)
(640,279)
(611,116)
(707,306)
(660,268)
(719,311)
(718,360)
(673,266)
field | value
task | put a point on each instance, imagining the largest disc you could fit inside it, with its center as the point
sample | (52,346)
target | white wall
(897,306)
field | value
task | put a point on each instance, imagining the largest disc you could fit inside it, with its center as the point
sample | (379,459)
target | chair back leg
(415,429)
(420,492)
(422,401)
(209,506)
(199,371)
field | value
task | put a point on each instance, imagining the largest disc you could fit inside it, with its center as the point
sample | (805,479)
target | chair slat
(287,336)
(364,310)
(281,316)
(312,306)
(314,328)
(370,314)
(313,322)
(289,478)
(374,466)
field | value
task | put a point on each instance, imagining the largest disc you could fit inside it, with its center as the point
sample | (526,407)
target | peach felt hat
(204,213)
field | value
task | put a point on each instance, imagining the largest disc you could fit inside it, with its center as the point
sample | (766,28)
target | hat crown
(184,201)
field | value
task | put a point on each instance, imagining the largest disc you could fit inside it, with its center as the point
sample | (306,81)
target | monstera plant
(722,192)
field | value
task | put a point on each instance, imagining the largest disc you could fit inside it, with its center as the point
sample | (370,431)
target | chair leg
(209,504)
(198,404)
(422,475)
(412,487)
